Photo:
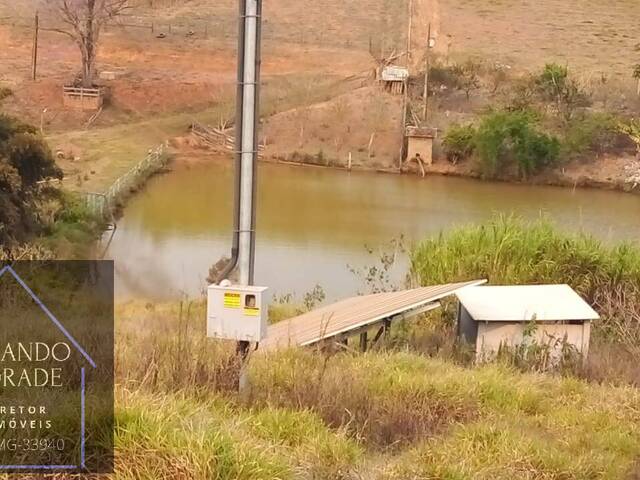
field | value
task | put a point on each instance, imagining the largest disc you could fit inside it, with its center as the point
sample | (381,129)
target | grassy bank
(107,153)
(392,416)
(395,413)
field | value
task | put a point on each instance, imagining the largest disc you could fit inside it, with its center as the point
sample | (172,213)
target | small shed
(492,317)
(420,144)
(394,77)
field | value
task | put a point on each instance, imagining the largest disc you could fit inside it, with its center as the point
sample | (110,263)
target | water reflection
(313,222)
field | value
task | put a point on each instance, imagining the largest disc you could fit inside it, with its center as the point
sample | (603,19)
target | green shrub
(553,78)
(556,85)
(507,140)
(593,133)
(25,160)
(459,142)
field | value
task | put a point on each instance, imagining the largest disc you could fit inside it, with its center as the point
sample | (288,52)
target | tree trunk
(89,41)
(88,64)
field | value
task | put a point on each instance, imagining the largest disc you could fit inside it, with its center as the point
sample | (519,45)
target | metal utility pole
(34,53)
(246,142)
(247,134)
(246,151)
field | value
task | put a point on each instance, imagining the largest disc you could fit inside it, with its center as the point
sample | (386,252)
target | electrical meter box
(237,312)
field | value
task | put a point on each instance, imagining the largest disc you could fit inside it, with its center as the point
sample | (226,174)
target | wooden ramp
(356,315)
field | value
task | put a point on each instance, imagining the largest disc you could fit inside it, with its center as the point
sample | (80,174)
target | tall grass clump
(509,250)
(446,421)
(384,400)
(164,348)
(529,426)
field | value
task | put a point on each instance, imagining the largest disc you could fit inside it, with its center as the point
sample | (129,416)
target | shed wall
(492,335)
(467,326)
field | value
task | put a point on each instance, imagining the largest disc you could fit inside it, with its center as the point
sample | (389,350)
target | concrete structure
(237,312)
(508,316)
(420,144)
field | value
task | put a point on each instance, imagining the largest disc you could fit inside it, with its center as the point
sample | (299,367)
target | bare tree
(83,21)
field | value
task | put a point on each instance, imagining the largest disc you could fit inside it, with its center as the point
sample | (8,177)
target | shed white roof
(524,303)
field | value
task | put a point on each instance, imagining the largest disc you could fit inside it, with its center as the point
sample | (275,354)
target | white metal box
(237,312)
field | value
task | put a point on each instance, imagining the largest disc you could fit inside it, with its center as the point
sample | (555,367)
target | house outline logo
(82,351)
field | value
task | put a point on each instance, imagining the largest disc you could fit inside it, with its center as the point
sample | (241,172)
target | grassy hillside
(589,35)
(381,415)
(414,408)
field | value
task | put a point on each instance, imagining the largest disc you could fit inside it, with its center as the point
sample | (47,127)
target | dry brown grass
(164,349)
(588,34)
(315,415)
(357,393)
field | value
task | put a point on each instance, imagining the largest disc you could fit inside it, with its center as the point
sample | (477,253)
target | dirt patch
(588,34)
(151,75)
(364,123)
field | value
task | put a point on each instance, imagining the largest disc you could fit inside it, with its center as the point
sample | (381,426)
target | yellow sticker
(231,300)
(252,311)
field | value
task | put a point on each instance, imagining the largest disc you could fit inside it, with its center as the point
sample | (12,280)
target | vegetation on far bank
(33,209)
(533,122)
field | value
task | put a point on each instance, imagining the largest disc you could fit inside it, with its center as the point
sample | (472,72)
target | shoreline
(186,159)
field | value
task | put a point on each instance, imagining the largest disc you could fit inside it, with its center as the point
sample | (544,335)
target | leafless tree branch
(84,20)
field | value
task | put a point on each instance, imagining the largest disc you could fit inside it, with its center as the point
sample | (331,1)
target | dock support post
(363,341)
(387,329)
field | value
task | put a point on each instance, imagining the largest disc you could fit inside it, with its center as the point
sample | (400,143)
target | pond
(313,223)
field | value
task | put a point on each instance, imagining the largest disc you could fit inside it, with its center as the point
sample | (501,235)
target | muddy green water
(313,223)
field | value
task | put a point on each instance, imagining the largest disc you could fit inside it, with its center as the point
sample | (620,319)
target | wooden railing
(82,92)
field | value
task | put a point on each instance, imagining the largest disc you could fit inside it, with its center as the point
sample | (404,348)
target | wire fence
(103,205)
(217,27)
(196,28)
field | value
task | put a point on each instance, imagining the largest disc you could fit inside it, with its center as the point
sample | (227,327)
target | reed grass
(509,250)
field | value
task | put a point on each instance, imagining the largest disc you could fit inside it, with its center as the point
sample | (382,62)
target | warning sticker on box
(252,311)
(231,300)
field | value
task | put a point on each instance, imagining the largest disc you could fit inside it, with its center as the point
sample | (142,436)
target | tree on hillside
(556,85)
(83,21)
(25,160)
(467,76)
